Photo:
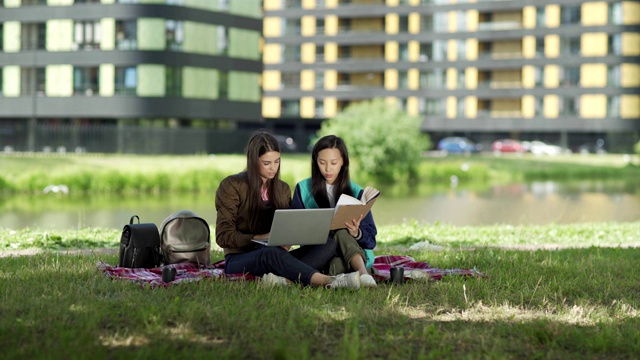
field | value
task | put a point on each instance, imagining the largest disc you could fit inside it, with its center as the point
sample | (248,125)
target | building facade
(144,76)
(563,71)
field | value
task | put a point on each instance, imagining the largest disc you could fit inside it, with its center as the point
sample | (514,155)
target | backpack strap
(134,217)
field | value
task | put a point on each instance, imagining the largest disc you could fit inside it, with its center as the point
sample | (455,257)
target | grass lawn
(579,300)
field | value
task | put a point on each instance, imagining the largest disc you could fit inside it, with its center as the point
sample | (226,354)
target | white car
(539,148)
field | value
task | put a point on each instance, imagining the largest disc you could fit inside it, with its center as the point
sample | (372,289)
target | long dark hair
(260,143)
(342,185)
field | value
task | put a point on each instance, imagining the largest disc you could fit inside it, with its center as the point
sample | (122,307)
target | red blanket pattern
(190,272)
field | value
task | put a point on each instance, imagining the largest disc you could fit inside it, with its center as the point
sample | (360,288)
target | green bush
(385,141)
(636,148)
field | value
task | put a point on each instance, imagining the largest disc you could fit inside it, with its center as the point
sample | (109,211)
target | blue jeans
(297,265)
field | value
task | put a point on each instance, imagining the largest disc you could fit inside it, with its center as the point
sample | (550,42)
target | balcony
(499,26)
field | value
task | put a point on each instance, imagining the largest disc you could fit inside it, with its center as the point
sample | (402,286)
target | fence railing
(121,139)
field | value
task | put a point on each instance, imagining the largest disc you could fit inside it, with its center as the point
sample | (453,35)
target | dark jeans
(297,265)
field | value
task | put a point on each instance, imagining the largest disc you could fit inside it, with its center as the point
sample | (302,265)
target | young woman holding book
(245,204)
(329,180)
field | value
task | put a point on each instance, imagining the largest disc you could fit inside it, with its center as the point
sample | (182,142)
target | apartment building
(564,71)
(145,76)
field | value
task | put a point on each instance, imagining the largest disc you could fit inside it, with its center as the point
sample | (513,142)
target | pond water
(537,203)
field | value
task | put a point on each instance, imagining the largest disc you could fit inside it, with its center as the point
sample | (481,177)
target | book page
(348,212)
(369,193)
(347,200)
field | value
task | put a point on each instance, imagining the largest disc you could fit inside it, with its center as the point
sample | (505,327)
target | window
(426,52)
(540,46)
(462,49)
(320,53)
(541,20)
(223,85)
(441,22)
(403,52)
(570,45)
(223,40)
(126,35)
(615,13)
(289,108)
(439,50)
(570,106)
(432,79)
(461,21)
(570,14)
(126,80)
(538,75)
(426,23)
(319,25)
(292,26)
(434,107)
(538,105)
(34,36)
(570,76)
(613,106)
(85,80)
(404,24)
(319,108)
(291,80)
(291,53)
(173,81)
(32,81)
(86,35)
(460,108)
(613,75)
(174,34)
(461,79)
(403,80)
(319,80)
(615,44)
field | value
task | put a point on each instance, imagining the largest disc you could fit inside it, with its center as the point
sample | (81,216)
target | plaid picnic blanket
(186,272)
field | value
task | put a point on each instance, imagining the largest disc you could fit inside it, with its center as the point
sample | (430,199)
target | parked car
(507,145)
(458,145)
(537,147)
(287,144)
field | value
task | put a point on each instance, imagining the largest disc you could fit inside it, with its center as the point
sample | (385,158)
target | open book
(349,208)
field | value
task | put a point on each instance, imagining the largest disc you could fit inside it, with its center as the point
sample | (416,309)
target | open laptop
(299,227)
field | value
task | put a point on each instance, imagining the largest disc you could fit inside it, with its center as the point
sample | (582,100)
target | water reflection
(544,202)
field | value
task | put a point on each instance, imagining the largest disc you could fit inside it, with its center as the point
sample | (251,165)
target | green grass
(580,301)
(129,174)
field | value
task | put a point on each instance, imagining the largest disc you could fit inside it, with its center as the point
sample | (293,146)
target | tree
(383,140)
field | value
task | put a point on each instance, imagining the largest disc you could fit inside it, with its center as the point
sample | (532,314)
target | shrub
(385,141)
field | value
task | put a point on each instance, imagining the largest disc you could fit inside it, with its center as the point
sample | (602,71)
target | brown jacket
(232,219)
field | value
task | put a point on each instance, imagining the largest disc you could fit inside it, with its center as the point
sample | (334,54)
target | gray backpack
(185,237)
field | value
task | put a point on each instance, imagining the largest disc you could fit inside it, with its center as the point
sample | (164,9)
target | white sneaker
(350,280)
(367,280)
(272,280)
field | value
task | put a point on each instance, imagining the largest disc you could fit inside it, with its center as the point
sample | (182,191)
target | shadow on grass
(578,303)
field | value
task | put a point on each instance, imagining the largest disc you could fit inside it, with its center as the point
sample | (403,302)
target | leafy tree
(636,148)
(385,141)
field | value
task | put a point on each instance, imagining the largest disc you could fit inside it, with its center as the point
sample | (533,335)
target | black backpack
(139,245)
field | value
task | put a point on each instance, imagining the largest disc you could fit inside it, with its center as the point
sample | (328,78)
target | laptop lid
(299,227)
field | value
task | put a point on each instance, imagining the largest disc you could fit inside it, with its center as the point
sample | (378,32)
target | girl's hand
(353,226)
(261,236)
(286,247)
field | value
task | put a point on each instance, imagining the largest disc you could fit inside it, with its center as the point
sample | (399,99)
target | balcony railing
(500,84)
(499,25)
